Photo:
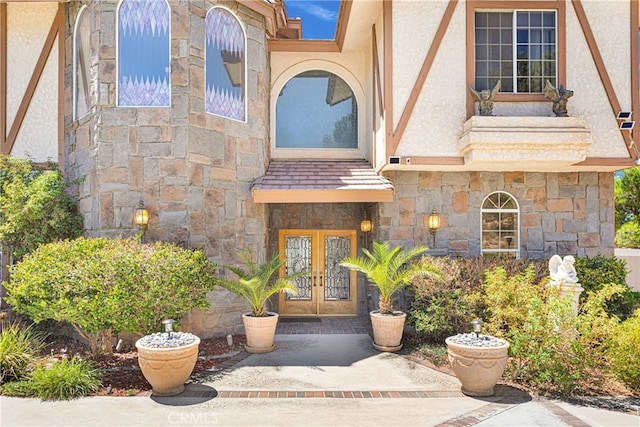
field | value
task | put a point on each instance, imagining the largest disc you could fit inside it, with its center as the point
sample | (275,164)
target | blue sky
(318,17)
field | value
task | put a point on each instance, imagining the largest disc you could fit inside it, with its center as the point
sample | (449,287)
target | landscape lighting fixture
(477,326)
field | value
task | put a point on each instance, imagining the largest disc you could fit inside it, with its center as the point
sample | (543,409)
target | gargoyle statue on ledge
(559,97)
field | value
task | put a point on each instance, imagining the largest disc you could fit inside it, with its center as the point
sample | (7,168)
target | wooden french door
(328,289)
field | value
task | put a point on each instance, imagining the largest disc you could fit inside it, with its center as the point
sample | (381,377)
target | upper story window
(500,225)
(81,64)
(316,109)
(225,65)
(143,53)
(519,48)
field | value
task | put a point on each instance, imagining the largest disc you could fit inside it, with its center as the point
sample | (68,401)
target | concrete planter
(260,332)
(387,330)
(167,369)
(477,368)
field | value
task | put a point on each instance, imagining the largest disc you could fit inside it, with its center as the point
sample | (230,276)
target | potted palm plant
(389,270)
(256,283)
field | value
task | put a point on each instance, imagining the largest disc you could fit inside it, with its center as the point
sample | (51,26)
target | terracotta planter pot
(167,369)
(477,368)
(260,332)
(387,330)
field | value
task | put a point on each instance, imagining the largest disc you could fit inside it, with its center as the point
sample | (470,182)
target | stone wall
(193,170)
(560,213)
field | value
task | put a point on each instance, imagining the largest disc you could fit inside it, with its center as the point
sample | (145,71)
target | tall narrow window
(143,53)
(500,225)
(224,65)
(316,109)
(81,64)
(519,48)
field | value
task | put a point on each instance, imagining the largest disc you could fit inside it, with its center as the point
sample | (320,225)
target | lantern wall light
(433,223)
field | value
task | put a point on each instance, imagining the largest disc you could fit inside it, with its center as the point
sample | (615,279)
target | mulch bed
(121,375)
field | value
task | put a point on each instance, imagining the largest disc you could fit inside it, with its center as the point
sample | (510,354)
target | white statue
(562,270)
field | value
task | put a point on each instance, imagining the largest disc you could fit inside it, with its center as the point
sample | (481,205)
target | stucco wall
(440,111)
(27,27)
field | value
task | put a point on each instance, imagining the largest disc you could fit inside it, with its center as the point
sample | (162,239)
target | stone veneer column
(560,213)
(193,170)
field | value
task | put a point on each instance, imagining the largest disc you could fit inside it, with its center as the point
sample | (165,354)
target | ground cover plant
(20,347)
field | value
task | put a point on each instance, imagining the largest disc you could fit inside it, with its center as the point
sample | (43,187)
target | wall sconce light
(141,219)
(366,225)
(433,222)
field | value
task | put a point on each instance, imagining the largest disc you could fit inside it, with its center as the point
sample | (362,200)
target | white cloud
(314,9)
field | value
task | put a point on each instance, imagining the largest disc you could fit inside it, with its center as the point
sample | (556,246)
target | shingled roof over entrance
(321,181)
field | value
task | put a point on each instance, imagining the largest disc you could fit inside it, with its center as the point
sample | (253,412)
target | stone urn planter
(260,332)
(387,330)
(167,360)
(478,361)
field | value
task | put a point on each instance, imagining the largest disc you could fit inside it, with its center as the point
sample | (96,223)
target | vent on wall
(394,160)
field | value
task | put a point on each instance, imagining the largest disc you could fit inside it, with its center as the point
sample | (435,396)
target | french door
(328,288)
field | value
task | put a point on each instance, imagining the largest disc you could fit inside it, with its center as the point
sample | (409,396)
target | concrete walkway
(315,380)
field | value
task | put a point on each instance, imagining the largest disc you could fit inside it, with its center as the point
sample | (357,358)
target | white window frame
(483,210)
(319,153)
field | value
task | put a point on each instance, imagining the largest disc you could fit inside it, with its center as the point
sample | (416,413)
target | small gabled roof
(321,181)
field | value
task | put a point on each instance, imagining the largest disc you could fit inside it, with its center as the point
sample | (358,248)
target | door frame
(317,305)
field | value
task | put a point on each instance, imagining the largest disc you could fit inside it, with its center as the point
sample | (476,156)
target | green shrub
(445,306)
(59,380)
(36,207)
(20,347)
(628,235)
(552,349)
(101,286)
(624,353)
(598,271)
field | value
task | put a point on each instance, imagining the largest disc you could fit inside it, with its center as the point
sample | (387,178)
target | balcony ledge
(524,143)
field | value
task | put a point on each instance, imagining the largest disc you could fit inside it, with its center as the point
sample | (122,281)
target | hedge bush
(445,306)
(624,353)
(101,286)
(596,272)
(552,349)
(36,206)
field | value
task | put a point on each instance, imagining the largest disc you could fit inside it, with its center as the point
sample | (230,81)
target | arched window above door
(316,109)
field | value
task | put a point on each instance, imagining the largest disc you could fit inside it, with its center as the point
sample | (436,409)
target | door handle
(321,280)
(314,280)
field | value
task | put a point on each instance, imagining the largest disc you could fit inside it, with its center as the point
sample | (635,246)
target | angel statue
(562,270)
(559,97)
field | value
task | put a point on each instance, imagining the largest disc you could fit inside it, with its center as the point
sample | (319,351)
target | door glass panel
(298,252)
(337,277)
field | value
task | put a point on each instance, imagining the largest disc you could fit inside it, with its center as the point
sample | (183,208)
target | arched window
(81,64)
(225,65)
(143,53)
(500,225)
(316,109)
